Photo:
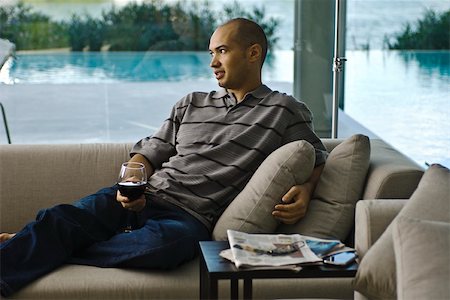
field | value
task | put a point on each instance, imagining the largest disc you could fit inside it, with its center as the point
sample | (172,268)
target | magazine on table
(277,250)
(323,247)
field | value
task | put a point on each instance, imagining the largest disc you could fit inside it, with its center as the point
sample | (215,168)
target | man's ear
(255,53)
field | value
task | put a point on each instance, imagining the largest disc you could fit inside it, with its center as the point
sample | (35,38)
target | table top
(220,268)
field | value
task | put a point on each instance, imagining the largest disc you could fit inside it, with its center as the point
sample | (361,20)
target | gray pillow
(422,259)
(331,211)
(376,276)
(251,210)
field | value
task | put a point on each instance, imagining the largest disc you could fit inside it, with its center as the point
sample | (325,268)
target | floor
(122,112)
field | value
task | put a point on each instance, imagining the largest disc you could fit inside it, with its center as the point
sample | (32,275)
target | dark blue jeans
(87,233)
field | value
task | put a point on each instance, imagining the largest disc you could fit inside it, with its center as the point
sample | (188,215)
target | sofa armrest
(391,174)
(372,217)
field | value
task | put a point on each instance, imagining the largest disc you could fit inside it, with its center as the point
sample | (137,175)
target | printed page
(269,249)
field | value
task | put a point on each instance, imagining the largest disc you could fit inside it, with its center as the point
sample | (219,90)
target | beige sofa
(404,244)
(37,176)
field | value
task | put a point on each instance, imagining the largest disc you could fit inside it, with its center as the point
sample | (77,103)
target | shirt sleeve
(301,128)
(159,147)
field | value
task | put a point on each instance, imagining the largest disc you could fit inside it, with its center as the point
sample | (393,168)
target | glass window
(398,73)
(101,72)
(110,71)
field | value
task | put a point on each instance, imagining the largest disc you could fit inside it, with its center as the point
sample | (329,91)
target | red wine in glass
(132,182)
(132,189)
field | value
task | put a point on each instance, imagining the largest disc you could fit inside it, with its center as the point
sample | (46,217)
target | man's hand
(296,200)
(133,205)
(295,203)
(138,204)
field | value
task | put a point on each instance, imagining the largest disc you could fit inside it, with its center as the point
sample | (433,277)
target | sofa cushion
(78,282)
(376,276)
(422,258)
(251,210)
(331,211)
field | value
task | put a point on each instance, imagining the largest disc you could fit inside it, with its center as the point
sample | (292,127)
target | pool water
(108,67)
(401,96)
(404,98)
(104,67)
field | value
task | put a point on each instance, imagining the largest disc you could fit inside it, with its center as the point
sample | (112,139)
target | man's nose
(214,62)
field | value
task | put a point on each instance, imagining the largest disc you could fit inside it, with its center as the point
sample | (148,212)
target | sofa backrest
(33,177)
(391,174)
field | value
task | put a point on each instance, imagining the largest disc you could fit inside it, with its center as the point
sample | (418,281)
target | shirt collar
(261,92)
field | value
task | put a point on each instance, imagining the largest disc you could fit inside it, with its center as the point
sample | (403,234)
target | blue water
(401,96)
(95,67)
(108,67)
(404,98)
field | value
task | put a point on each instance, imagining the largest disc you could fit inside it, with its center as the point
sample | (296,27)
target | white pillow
(331,210)
(422,259)
(376,276)
(251,210)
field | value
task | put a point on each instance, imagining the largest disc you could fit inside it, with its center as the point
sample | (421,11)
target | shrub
(77,33)
(30,30)
(137,27)
(257,14)
(150,25)
(430,32)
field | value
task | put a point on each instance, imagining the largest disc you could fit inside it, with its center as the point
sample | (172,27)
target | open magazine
(288,251)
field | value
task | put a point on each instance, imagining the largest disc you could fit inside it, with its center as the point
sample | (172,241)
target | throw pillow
(422,258)
(376,276)
(251,210)
(331,210)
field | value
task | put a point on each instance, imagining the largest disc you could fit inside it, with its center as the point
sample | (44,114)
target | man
(198,161)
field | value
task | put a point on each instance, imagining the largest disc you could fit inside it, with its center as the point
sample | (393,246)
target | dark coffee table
(214,268)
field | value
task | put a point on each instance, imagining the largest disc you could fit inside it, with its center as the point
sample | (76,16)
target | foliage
(138,26)
(257,14)
(193,25)
(150,25)
(30,30)
(430,32)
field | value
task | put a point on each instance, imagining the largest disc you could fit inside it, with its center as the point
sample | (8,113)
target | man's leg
(48,242)
(168,238)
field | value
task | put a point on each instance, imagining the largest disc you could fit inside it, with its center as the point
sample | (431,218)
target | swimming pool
(403,97)
(109,67)
(106,67)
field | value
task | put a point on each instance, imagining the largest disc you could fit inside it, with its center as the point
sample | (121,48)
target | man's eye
(222,51)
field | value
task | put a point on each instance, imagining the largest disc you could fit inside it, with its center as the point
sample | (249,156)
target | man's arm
(296,200)
(141,159)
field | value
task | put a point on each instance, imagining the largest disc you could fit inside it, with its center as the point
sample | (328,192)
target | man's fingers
(135,205)
(286,218)
(284,207)
(289,213)
(290,194)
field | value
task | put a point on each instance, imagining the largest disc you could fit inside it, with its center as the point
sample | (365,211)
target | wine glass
(132,181)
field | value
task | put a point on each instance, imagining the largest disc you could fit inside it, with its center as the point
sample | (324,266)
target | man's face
(228,59)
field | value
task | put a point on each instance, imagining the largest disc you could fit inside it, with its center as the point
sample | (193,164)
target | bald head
(248,33)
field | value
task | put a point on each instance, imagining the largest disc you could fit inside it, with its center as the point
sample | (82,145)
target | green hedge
(151,25)
(432,32)
(31,30)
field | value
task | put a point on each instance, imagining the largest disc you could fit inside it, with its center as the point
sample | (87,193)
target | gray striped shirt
(210,146)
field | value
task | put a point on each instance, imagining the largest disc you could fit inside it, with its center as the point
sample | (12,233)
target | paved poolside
(113,112)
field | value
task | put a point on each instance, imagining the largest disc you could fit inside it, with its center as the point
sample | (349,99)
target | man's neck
(240,94)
